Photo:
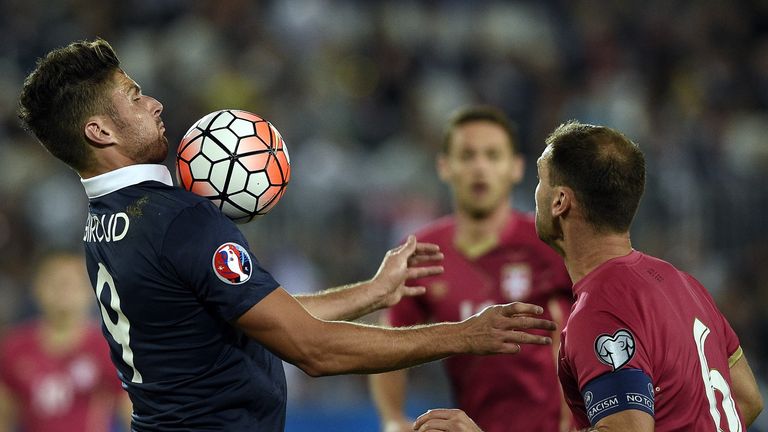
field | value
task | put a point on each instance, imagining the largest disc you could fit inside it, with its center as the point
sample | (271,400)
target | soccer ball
(236,159)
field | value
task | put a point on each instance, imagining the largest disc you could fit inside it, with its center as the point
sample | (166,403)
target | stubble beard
(550,232)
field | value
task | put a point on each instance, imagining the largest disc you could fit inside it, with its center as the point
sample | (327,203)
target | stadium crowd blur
(360,92)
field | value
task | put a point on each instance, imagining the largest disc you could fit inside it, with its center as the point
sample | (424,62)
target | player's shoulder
(171,203)
(438,231)
(176,197)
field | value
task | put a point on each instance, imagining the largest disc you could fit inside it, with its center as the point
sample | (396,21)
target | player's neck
(476,236)
(584,252)
(61,334)
(111,161)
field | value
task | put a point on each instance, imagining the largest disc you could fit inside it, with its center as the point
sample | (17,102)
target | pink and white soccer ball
(236,159)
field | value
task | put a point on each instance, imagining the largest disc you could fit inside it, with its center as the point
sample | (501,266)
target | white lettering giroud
(106,230)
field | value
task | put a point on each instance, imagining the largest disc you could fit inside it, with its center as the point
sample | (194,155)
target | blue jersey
(171,274)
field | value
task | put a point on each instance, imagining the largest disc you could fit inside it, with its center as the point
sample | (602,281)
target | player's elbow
(315,366)
(314,359)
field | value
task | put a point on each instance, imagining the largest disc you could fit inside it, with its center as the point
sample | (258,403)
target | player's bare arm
(745,390)
(625,421)
(385,289)
(321,348)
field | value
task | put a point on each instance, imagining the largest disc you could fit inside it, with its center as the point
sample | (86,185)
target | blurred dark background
(361,90)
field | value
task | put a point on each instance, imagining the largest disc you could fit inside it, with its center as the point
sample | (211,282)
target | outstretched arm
(319,347)
(385,289)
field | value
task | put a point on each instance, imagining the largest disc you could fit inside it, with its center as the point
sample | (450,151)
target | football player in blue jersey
(196,327)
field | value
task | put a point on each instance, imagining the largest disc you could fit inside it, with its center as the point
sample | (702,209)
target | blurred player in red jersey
(492,255)
(55,372)
(645,348)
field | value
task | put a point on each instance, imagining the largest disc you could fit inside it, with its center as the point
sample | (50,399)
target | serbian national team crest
(516,281)
(232,263)
(615,350)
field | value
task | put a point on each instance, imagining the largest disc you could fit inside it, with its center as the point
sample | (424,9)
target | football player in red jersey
(645,347)
(491,255)
(55,372)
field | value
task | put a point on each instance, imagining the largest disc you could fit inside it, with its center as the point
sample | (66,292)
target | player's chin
(479,209)
(159,152)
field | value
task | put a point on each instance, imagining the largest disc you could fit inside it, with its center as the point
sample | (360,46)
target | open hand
(403,263)
(497,329)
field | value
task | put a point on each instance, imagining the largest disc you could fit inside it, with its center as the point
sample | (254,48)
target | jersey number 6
(119,330)
(713,380)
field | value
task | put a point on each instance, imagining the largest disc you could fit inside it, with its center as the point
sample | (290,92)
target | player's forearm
(388,393)
(346,302)
(353,348)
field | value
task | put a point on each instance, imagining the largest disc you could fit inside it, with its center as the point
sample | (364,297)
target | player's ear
(100,131)
(562,201)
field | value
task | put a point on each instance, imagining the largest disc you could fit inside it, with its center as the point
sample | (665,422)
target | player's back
(674,333)
(149,250)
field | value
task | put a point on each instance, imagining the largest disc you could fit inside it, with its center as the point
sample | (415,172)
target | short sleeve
(600,342)
(211,256)
(732,344)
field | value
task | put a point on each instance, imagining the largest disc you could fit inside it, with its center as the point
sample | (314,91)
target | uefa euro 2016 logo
(232,264)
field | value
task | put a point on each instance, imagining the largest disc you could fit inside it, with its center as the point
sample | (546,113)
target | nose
(155,106)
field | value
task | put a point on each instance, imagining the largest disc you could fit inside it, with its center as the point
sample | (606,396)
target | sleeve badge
(232,264)
(615,350)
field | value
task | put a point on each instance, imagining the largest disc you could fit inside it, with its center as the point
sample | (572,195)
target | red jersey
(75,391)
(499,392)
(639,312)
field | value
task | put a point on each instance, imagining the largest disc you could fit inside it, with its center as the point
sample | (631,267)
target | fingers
(417,258)
(420,272)
(518,308)
(406,248)
(445,420)
(414,291)
(525,322)
(434,414)
(518,337)
(427,248)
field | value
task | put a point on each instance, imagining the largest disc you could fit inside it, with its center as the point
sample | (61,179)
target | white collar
(111,181)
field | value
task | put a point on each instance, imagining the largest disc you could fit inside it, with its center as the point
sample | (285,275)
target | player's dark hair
(67,86)
(603,167)
(480,113)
